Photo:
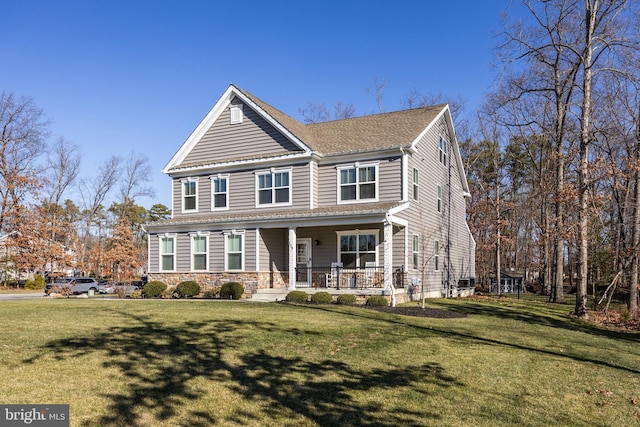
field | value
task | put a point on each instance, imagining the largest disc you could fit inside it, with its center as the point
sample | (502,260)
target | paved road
(5,297)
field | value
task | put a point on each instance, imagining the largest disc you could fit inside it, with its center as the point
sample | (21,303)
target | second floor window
(442,148)
(358,183)
(274,188)
(439,198)
(219,198)
(190,196)
(415,184)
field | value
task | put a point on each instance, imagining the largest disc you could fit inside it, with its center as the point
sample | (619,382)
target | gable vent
(236,114)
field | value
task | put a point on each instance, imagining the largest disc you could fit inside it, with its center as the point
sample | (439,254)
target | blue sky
(122,76)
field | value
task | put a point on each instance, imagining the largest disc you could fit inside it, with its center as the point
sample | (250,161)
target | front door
(303,263)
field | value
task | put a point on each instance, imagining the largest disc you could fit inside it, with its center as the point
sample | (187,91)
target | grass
(199,363)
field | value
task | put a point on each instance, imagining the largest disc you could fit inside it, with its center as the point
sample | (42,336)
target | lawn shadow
(160,361)
(544,316)
(465,337)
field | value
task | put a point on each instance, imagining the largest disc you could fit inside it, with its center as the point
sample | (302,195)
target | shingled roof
(365,133)
(376,132)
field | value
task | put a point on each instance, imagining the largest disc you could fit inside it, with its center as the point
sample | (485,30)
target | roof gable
(205,131)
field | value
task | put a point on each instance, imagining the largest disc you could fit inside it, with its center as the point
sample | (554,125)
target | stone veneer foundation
(207,281)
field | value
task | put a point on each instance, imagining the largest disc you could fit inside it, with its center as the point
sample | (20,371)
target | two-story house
(375,202)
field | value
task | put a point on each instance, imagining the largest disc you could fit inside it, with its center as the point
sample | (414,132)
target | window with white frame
(220,192)
(358,182)
(416,252)
(274,187)
(415,184)
(358,247)
(234,251)
(439,198)
(236,113)
(442,148)
(190,195)
(436,255)
(167,253)
(199,252)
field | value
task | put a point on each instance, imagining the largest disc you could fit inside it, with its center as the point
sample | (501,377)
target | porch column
(292,258)
(388,256)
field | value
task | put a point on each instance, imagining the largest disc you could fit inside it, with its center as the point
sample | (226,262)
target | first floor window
(436,255)
(199,252)
(358,248)
(234,252)
(416,252)
(167,253)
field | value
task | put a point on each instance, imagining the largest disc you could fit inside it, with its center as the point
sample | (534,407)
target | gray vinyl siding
(242,192)
(183,252)
(254,135)
(431,225)
(154,253)
(389,181)
(273,249)
(216,251)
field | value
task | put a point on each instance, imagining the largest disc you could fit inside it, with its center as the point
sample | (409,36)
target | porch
(338,277)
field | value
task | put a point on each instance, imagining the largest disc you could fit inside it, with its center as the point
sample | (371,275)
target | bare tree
(135,179)
(23,130)
(316,113)
(602,34)
(415,99)
(377,91)
(63,167)
(93,193)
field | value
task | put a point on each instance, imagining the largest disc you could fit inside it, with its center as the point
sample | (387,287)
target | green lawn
(199,363)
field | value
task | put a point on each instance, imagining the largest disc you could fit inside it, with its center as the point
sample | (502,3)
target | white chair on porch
(331,279)
(370,273)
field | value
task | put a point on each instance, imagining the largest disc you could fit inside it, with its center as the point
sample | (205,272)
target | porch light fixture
(317,242)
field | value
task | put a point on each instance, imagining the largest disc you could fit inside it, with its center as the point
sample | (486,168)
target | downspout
(449,232)
(388,278)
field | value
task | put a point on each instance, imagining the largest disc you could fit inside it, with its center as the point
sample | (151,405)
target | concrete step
(269,295)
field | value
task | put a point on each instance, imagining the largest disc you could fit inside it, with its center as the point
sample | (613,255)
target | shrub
(136,294)
(188,289)
(377,301)
(297,296)
(169,293)
(322,298)
(231,290)
(154,289)
(212,293)
(36,283)
(346,299)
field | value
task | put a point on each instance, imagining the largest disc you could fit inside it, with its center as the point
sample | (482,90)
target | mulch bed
(419,312)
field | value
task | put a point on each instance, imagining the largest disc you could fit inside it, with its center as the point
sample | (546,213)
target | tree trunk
(591,11)
(633,290)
